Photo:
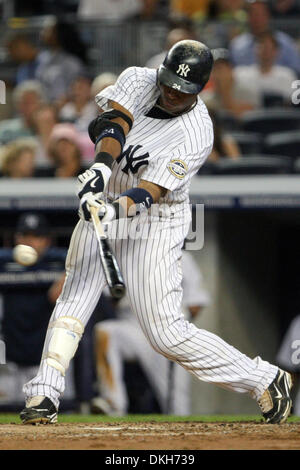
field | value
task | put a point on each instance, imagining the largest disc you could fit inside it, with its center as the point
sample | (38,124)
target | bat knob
(118,291)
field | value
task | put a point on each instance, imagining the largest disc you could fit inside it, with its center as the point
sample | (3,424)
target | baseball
(25,255)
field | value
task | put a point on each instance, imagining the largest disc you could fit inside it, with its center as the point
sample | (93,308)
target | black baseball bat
(110,265)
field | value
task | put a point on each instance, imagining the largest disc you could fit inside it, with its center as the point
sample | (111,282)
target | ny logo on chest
(133,164)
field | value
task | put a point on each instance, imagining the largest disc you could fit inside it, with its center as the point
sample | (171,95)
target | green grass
(6,418)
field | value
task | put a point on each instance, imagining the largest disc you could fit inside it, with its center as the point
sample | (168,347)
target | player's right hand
(91,181)
(87,200)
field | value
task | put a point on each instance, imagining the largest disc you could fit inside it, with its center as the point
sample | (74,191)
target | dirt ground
(150,436)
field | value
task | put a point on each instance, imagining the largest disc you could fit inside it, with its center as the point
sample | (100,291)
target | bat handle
(95,217)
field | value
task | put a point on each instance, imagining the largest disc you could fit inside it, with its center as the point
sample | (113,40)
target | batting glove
(93,180)
(87,200)
(107,213)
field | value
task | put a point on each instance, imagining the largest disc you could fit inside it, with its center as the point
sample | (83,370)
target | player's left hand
(107,213)
(87,200)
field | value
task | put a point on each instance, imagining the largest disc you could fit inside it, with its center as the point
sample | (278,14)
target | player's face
(175,101)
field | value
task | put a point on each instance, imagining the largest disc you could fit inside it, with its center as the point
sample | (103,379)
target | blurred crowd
(50,100)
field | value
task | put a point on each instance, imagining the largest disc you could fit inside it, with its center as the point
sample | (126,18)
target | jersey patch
(178,168)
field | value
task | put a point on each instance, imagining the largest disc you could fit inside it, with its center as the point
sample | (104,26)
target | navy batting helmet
(187,66)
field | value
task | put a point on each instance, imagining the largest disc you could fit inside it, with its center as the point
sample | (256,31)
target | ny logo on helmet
(183,70)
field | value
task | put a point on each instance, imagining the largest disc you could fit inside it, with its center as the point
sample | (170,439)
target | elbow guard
(104,126)
(101,128)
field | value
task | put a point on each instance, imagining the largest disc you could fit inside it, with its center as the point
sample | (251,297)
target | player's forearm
(109,146)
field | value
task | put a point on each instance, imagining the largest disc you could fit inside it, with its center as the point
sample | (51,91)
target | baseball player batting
(152,135)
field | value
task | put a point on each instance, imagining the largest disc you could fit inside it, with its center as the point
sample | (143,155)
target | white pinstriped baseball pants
(152,273)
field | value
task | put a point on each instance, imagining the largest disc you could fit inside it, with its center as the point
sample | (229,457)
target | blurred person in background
(242,47)
(224,145)
(28,295)
(44,118)
(226,19)
(27,98)
(17,159)
(117,10)
(25,53)
(284,8)
(115,48)
(62,62)
(102,81)
(227,10)
(220,92)
(65,151)
(265,81)
(174,35)
(80,108)
(193,9)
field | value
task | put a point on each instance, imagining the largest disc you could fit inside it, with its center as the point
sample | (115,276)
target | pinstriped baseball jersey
(167,152)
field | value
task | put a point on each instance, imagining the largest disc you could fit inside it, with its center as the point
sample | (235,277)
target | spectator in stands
(174,35)
(227,10)
(27,97)
(225,145)
(242,47)
(193,9)
(285,8)
(44,119)
(265,82)
(102,81)
(118,10)
(65,151)
(28,295)
(25,53)
(220,92)
(80,108)
(18,159)
(62,62)
(226,19)
(6,103)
